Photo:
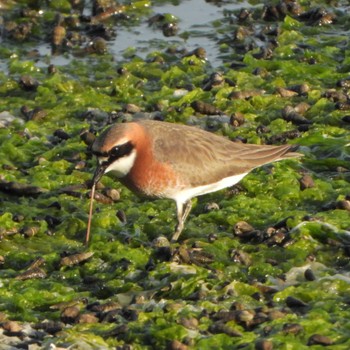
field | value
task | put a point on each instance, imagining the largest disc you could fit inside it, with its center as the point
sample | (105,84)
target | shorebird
(157,159)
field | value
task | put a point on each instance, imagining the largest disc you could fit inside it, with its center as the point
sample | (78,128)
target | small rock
(28,83)
(276,314)
(318,339)
(241,228)
(87,318)
(88,137)
(237,119)
(190,323)
(295,302)
(263,344)
(211,206)
(111,193)
(70,314)
(12,327)
(176,345)
(61,134)
(343,204)
(306,182)
(121,216)
(309,275)
(245,316)
(131,108)
(292,328)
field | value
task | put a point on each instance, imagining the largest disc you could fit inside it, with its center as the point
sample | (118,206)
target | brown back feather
(203,158)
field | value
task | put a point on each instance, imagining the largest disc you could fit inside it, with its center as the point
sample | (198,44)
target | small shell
(219,327)
(200,257)
(292,328)
(199,52)
(302,107)
(12,327)
(241,228)
(170,29)
(107,13)
(58,35)
(237,119)
(216,79)
(301,89)
(160,242)
(211,206)
(189,323)
(51,327)
(205,108)
(306,182)
(81,164)
(121,216)
(245,95)
(241,257)
(177,345)
(88,137)
(99,46)
(111,193)
(131,108)
(75,259)
(182,255)
(319,339)
(61,134)
(295,302)
(75,302)
(285,92)
(343,205)
(37,114)
(35,272)
(70,314)
(28,83)
(30,231)
(87,318)
(263,344)
(106,307)
(290,115)
(99,197)
(36,263)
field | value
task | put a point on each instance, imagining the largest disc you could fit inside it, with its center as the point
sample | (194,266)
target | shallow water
(195,17)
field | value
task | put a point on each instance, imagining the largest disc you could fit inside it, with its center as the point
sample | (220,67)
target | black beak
(100,170)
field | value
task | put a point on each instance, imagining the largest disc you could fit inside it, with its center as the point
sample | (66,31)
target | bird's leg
(183,209)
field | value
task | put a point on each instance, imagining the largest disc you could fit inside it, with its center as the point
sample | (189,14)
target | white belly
(183,196)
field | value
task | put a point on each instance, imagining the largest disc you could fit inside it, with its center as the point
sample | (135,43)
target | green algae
(121,267)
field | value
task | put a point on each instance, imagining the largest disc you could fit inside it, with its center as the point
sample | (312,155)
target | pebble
(87,318)
(319,339)
(295,302)
(309,275)
(176,345)
(306,182)
(292,328)
(263,344)
(12,327)
(70,314)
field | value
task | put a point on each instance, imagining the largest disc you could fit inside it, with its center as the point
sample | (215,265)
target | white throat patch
(122,166)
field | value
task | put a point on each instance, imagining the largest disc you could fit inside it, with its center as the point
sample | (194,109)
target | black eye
(115,152)
(120,151)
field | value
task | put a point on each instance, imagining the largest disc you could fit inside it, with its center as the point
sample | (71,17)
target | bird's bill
(99,172)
